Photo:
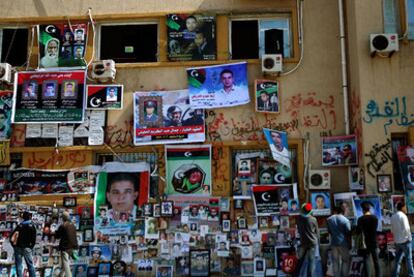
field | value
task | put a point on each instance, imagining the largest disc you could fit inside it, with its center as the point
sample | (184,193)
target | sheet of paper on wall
(278,144)
(49,130)
(97,118)
(96,135)
(65,135)
(81,131)
(33,130)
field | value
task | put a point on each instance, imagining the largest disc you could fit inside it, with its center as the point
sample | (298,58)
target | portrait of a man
(29,90)
(69,89)
(111,94)
(51,53)
(49,89)
(150,111)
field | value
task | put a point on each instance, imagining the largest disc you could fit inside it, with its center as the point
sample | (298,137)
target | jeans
(307,254)
(26,253)
(65,264)
(403,248)
(375,259)
(340,261)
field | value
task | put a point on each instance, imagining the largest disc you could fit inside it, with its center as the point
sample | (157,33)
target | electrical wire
(11,43)
(29,55)
(93,44)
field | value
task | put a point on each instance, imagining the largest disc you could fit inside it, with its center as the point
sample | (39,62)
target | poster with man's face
(278,143)
(374,204)
(339,151)
(321,203)
(218,86)
(6,98)
(104,97)
(406,164)
(267,96)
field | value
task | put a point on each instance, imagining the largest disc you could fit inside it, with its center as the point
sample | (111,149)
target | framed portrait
(226,225)
(49,89)
(339,151)
(164,270)
(167,208)
(247,268)
(152,111)
(104,269)
(259,267)
(267,96)
(238,203)
(147,207)
(321,203)
(263,222)
(244,167)
(384,183)
(157,210)
(241,223)
(69,89)
(69,201)
(30,89)
(200,262)
(48,271)
(88,235)
(273,172)
(92,271)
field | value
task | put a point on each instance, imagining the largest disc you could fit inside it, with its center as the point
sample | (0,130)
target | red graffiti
(120,135)
(57,160)
(356,120)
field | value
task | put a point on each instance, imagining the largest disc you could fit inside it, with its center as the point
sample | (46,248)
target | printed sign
(218,86)
(267,96)
(166,117)
(49,97)
(104,97)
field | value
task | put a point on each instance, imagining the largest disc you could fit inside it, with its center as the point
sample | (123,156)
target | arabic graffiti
(356,120)
(394,110)
(52,160)
(120,135)
(378,157)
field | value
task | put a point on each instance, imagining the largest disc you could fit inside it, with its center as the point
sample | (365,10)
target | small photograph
(80,270)
(104,268)
(259,267)
(263,222)
(200,263)
(247,268)
(92,271)
(238,203)
(284,222)
(49,89)
(29,90)
(79,35)
(223,248)
(194,215)
(213,214)
(273,172)
(182,266)
(339,151)
(167,208)
(151,228)
(48,271)
(111,94)
(157,210)
(384,183)
(69,202)
(246,252)
(69,89)
(281,253)
(193,227)
(267,96)
(164,271)
(241,223)
(78,52)
(118,269)
(88,235)
(293,206)
(321,203)
(244,167)
(225,204)
(226,225)
(148,209)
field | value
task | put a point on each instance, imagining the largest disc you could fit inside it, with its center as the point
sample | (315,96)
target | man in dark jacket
(309,239)
(68,242)
(23,247)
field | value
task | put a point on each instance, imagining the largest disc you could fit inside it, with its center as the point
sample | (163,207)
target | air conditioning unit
(104,70)
(272,63)
(5,72)
(383,43)
(319,179)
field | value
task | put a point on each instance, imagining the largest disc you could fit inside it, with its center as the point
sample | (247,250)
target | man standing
(339,228)
(68,242)
(400,228)
(309,239)
(368,224)
(23,246)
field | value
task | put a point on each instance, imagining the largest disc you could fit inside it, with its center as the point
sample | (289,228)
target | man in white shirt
(400,228)
(230,94)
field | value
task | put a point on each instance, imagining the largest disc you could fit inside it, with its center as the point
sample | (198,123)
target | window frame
(29,38)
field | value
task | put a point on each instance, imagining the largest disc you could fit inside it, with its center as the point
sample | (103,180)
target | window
(394,21)
(396,141)
(129,43)
(410,18)
(13,46)
(250,38)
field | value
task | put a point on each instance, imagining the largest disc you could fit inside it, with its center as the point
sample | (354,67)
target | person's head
(191,23)
(52,48)
(78,52)
(3,117)
(381,239)
(199,39)
(284,203)
(30,87)
(102,212)
(174,113)
(276,137)
(306,208)
(347,150)
(365,206)
(327,155)
(226,77)
(68,35)
(96,252)
(80,269)
(400,206)
(150,107)
(50,88)
(222,245)
(66,216)
(320,201)
(122,191)
(264,96)
(112,92)
(69,87)
(265,177)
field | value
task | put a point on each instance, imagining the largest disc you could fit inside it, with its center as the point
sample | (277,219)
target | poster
(188,170)
(339,151)
(406,163)
(218,86)
(104,97)
(162,117)
(191,37)
(375,209)
(278,144)
(62,45)
(271,199)
(49,97)
(321,203)
(273,172)
(5,114)
(356,178)
(121,189)
(267,96)
(345,200)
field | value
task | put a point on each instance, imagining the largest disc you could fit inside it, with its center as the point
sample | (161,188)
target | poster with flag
(188,170)
(271,199)
(104,97)
(278,144)
(406,163)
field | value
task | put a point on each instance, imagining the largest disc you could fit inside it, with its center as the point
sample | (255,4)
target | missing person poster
(271,199)
(49,97)
(278,144)
(339,151)
(162,117)
(104,97)
(267,96)
(374,207)
(6,98)
(62,45)
(191,37)
(406,163)
(188,170)
(218,86)
(121,189)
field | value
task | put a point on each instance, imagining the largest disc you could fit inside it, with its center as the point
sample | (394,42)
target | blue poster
(218,86)
(278,144)
(375,209)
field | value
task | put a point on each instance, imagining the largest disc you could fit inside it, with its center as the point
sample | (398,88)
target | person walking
(339,227)
(68,242)
(23,239)
(400,228)
(309,239)
(368,224)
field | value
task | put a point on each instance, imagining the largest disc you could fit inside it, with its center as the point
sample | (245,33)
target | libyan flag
(266,199)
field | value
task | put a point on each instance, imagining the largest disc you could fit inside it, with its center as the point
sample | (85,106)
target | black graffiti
(378,156)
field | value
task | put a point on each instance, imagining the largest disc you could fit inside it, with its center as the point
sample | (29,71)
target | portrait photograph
(238,203)
(281,253)
(69,202)
(156,210)
(200,263)
(241,223)
(182,266)
(111,94)
(104,268)
(148,211)
(259,267)
(321,203)
(278,143)
(339,151)
(384,183)
(151,228)
(88,235)
(164,271)
(48,271)
(151,111)
(30,89)
(244,167)
(49,89)
(345,201)
(226,225)
(167,208)
(267,96)
(247,268)
(273,172)
(69,89)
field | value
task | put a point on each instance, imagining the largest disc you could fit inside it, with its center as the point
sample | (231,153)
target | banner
(49,97)
(339,151)
(104,97)
(191,37)
(218,86)
(188,170)
(267,96)
(62,45)
(406,162)
(272,199)
(278,144)
(6,98)
(162,117)
(121,189)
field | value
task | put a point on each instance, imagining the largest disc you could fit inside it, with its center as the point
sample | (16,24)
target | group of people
(340,230)
(339,156)
(23,240)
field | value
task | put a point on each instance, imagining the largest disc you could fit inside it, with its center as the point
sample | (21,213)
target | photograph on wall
(267,96)
(272,199)
(218,86)
(162,117)
(384,183)
(374,203)
(104,97)
(356,178)
(62,45)
(272,172)
(188,170)
(321,203)
(6,104)
(406,164)
(278,143)
(339,151)
(39,97)
(121,189)
(191,37)
(200,262)
(409,200)
(345,200)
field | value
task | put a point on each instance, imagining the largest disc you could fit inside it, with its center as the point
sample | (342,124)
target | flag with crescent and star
(266,199)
